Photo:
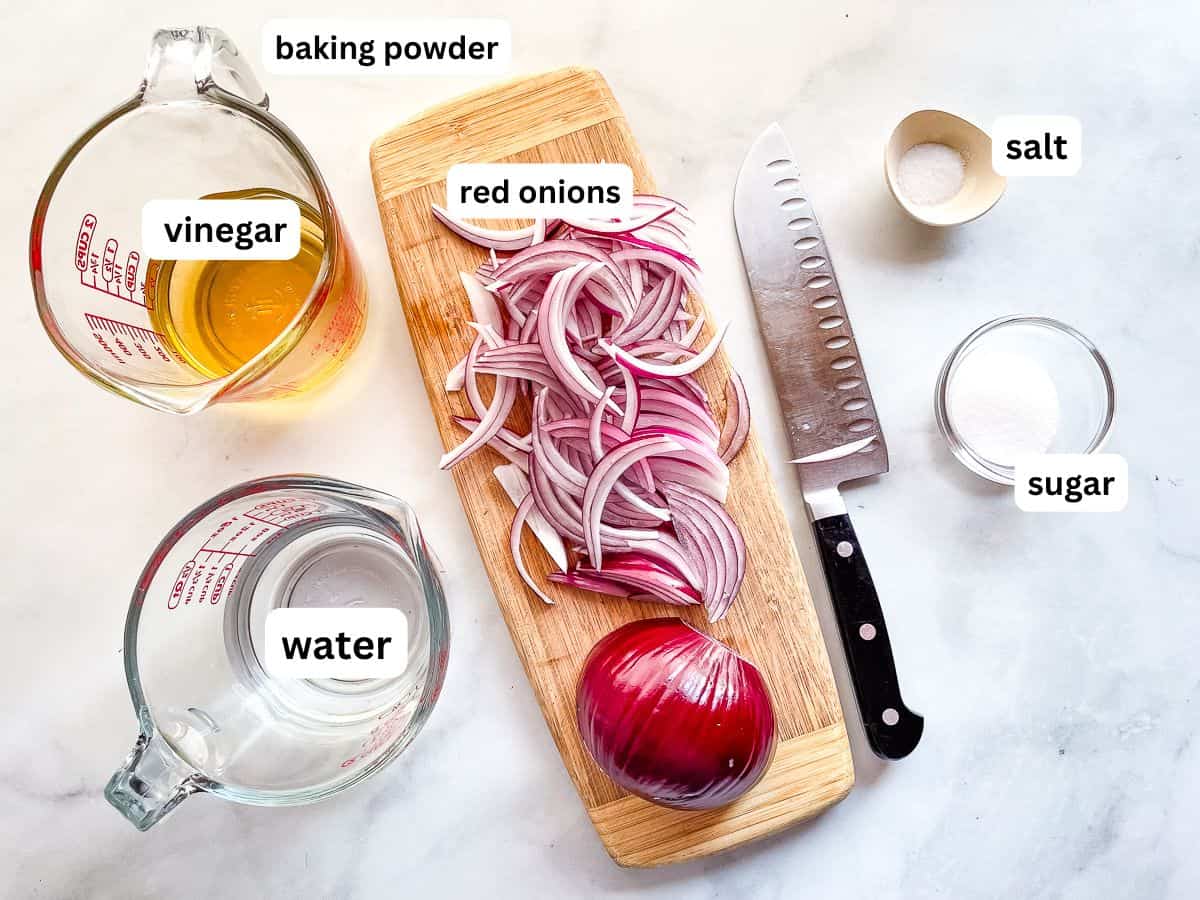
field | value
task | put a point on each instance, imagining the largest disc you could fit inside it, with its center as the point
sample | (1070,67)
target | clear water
(329,565)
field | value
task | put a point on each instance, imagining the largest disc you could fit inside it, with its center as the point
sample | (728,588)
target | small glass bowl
(1081,376)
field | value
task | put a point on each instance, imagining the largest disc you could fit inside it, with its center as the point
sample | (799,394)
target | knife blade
(833,429)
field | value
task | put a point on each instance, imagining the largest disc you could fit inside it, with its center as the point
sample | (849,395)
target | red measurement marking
(222,580)
(142,338)
(110,259)
(116,326)
(207,583)
(264,521)
(84,242)
(113,292)
(106,348)
(108,277)
(131,265)
(180,583)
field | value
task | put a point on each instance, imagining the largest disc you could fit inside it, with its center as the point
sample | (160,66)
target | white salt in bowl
(981,187)
(1050,392)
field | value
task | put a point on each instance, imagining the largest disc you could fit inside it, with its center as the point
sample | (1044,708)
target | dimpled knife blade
(810,345)
(831,421)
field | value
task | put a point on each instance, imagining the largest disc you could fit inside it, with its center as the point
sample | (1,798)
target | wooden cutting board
(570,116)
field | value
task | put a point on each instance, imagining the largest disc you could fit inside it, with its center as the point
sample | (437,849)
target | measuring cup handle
(184,62)
(152,782)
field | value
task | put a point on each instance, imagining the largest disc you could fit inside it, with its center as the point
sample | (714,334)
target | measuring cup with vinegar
(180,335)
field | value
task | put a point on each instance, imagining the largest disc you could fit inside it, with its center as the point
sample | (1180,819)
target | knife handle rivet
(866,631)
(845,549)
(890,716)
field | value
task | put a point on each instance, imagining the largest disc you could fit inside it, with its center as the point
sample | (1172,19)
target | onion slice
(484,309)
(456,377)
(664,370)
(737,419)
(604,477)
(516,485)
(496,239)
(524,508)
(714,542)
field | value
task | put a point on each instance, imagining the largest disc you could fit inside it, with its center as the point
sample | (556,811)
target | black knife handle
(893,730)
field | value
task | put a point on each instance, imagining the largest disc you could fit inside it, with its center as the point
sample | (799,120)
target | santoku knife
(831,422)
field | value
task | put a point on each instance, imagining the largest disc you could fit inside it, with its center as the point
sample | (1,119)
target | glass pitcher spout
(153,781)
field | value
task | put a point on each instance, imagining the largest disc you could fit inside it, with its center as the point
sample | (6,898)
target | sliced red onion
(484,309)
(455,377)
(681,409)
(524,508)
(590,318)
(659,248)
(667,549)
(633,574)
(515,455)
(596,583)
(665,370)
(617,226)
(552,257)
(633,403)
(685,384)
(643,575)
(596,423)
(659,257)
(566,515)
(737,418)
(604,478)
(563,290)
(516,485)
(495,238)
(687,338)
(484,336)
(716,545)
(569,476)
(490,423)
(521,443)
(655,312)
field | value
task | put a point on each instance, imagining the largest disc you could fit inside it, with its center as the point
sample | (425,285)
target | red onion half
(675,716)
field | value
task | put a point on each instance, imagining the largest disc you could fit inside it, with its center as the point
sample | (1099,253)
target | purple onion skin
(675,716)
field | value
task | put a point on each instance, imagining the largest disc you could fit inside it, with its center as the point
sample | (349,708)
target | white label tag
(1072,482)
(387,47)
(221,229)
(1037,145)
(346,642)
(535,190)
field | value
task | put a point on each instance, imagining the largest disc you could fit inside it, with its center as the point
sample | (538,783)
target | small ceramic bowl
(981,186)
(1082,382)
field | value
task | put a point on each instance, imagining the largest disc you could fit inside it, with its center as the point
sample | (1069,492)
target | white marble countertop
(1053,657)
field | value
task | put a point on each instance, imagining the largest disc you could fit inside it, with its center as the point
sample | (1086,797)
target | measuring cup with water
(211,717)
(180,336)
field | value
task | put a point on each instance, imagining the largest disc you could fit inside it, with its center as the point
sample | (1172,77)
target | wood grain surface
(571,116)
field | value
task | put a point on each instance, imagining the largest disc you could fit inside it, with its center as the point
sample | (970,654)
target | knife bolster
(824,503)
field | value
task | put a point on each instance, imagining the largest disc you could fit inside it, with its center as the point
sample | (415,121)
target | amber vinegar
(219,314)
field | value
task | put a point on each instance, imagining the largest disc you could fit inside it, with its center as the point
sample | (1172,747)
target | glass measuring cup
(210,717)
(198,126)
